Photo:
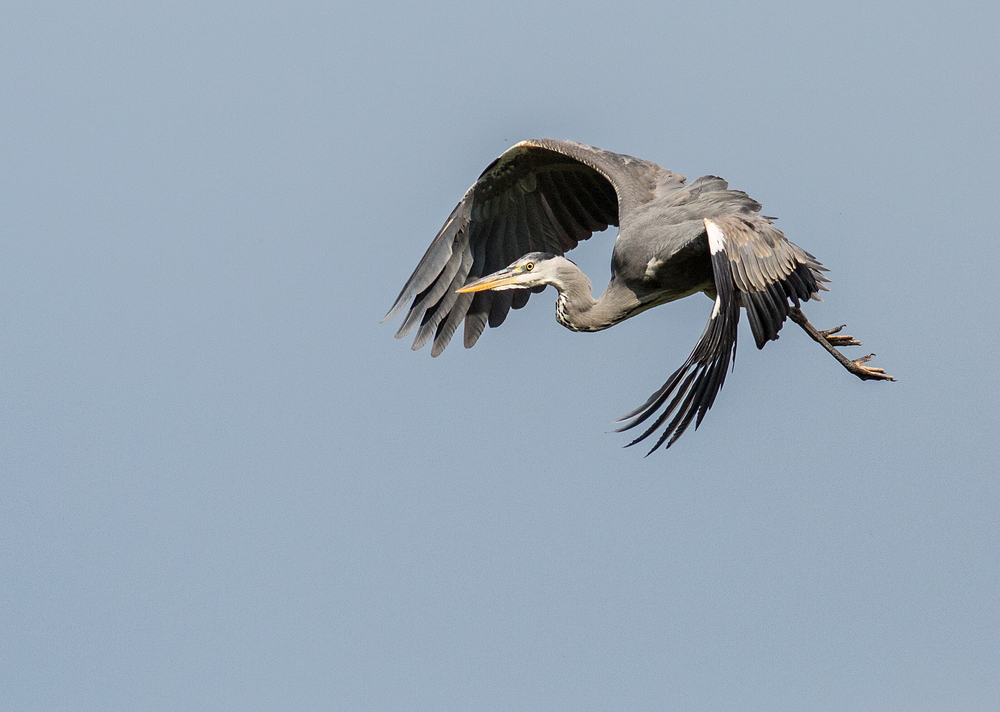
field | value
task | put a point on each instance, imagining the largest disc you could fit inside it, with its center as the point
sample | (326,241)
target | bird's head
(535,269)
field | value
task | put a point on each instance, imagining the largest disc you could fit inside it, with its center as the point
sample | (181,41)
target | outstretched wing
(753,265)
(539,196)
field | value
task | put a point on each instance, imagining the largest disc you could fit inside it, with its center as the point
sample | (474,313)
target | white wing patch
(716,244)
(716,240)
(717,307)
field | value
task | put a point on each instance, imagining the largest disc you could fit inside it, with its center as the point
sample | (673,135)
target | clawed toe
(870,373)
(836,339)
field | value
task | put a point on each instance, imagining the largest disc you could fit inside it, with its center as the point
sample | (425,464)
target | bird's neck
(576,308)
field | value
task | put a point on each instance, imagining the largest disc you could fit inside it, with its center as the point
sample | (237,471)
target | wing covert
(769,271)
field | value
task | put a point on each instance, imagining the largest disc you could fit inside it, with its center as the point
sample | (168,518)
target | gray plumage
(542,197)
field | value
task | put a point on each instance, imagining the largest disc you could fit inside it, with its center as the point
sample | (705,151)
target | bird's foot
(836,339)
(868,373)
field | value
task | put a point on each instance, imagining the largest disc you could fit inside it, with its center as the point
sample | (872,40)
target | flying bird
(539,199)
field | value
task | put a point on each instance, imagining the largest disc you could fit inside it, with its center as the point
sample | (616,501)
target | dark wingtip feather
(694,385)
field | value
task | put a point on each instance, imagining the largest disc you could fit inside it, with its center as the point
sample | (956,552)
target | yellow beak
(498,279)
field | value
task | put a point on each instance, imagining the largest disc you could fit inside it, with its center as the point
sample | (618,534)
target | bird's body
(541,197)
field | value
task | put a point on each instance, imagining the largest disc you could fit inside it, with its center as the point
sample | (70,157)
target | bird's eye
(528,267)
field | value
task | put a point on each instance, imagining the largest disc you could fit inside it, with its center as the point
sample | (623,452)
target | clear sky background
(225,486)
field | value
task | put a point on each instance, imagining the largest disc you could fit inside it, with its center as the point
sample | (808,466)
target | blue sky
(226,486)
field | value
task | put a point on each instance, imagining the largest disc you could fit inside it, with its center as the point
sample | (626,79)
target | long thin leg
(829,339)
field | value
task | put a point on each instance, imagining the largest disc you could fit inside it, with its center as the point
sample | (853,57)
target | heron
(508,236)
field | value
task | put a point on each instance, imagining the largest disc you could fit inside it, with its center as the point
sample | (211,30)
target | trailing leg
(830,339)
